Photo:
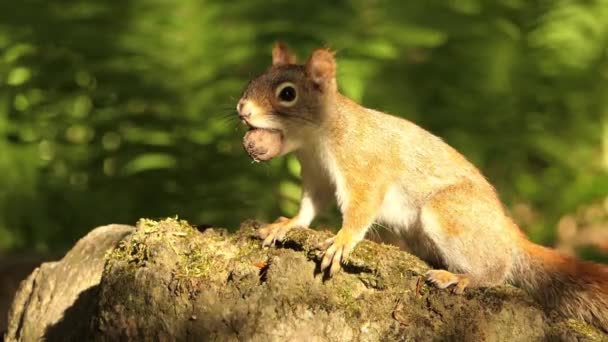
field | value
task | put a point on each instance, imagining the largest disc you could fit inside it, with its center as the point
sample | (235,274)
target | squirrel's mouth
(272,130)
(251,127)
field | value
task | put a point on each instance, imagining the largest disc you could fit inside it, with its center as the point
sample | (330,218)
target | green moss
(348,301)
(364,254)
(195,263)
(145,223)
(177,226)
(248,248)
(372,281)
(585,329)
(133,252)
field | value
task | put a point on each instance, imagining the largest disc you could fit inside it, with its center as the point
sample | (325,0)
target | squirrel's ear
(321,67)
(281,55)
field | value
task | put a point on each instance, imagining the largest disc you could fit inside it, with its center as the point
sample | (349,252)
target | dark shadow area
(76,322)
(14,268)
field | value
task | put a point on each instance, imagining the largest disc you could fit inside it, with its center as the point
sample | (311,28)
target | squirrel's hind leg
(444,279)
(467,226)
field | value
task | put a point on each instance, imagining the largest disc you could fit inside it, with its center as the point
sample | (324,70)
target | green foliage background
(115,110)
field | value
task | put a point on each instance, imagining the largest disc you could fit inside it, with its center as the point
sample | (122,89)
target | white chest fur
(399,212)
(328,162)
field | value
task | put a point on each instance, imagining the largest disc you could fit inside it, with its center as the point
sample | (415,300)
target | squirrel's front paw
(337,250)
(275,231)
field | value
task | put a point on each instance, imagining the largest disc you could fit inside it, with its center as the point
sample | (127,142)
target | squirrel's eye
(286,93)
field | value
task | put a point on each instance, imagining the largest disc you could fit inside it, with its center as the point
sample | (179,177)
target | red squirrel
(385,169)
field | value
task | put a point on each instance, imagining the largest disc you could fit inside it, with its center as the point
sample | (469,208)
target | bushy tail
(575,288)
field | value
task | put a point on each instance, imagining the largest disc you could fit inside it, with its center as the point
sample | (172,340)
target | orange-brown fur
(385,169)
(575,288)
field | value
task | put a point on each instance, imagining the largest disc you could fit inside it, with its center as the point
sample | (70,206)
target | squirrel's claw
(325,244)
(269,240)
(275,231)
(337,249)
(332,259)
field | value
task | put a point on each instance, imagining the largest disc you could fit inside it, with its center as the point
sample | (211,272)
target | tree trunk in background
(168,281)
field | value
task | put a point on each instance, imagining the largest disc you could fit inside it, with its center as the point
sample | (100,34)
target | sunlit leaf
(150,161)
(18,76)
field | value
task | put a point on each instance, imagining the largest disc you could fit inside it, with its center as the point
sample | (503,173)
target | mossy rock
(169,281)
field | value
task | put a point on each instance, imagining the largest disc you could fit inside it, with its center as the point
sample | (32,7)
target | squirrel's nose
(244,113)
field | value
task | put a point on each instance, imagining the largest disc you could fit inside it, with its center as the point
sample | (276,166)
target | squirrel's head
(290,97)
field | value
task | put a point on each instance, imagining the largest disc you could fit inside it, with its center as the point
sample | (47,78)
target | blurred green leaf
(151,161)
(18,76)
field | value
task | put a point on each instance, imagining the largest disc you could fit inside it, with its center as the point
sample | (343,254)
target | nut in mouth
(262,143)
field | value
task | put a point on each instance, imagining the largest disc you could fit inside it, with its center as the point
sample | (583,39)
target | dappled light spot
(148,162)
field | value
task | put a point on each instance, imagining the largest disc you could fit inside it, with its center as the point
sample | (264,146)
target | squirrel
(385,169)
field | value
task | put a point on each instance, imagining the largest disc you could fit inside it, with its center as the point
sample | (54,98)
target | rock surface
(57,298)
(15,267)
(167,281)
